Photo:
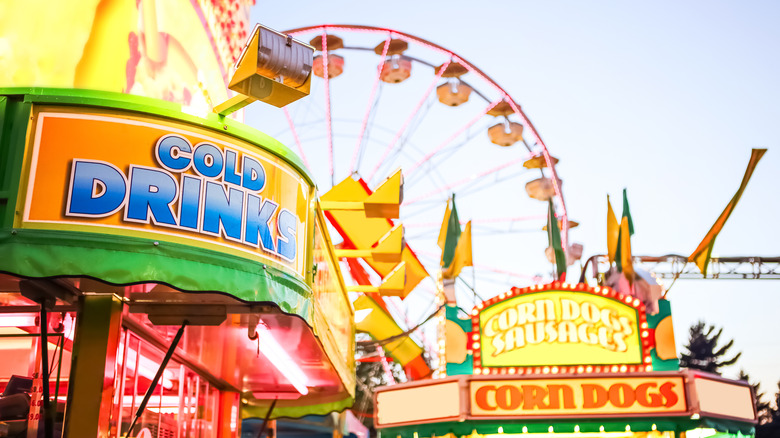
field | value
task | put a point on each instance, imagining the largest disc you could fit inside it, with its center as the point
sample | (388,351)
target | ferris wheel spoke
(367,134)
(484,184)
(371,103)
(328,116)
(295,137)
(435,160)
(405,141)
(469,179)
(451,138)
(400,132)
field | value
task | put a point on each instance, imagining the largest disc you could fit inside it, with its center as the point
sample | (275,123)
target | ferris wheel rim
(516,108)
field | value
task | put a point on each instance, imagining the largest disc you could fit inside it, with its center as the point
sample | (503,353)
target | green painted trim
(111,100)
(250,411)
(124,260)
(674,424)
(14,118)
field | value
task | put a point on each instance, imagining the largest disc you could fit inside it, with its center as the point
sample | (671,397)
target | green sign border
(37,253)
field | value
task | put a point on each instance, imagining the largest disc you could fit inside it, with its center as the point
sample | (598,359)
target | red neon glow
(370,102)
(280,359)
(17,321)
(409,119)
(146,367)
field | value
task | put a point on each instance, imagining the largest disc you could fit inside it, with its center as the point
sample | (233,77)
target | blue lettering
(221,208)
(171,145)
(96,189)
(151,190)
(208,160)
(189,206)
(254,174)
(257,219)
(287,224)
(230,168)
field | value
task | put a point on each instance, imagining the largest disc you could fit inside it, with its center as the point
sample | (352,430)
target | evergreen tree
(703,351)
(763,409)
(771,427)
(369,376)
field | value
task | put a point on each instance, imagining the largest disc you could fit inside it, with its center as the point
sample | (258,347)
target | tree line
(704,353)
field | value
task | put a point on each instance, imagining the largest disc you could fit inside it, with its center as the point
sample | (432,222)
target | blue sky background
(663,98)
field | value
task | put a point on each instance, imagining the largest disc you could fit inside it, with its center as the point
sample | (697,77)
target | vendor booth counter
(162,270)
(564,360)
(658,404)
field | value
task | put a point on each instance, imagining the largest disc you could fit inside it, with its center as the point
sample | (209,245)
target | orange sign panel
(559,327)
(145,177)
(577,397)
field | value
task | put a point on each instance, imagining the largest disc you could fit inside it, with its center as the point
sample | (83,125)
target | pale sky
(663,98)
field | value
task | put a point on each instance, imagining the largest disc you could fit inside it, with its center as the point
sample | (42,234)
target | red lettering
(556,391)
(653,400)
(667,390)
(481,397)
(594,396)
(621,395)
(508,397)
(533,397)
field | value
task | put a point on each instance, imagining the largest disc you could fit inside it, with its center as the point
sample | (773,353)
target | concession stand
(161,274)
(562,360)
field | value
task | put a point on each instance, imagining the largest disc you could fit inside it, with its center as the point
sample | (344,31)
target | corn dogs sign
(146,177)
(576,397)
(562,327)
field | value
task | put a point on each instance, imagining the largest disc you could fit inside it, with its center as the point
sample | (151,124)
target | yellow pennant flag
(701,256)
(443,232)
(613,230)
(626,261)
(462,254)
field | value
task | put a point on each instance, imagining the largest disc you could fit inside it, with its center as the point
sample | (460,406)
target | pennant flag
(627,214)
(462,255)
(554,239)
(623,258)
(449,234)
(701,256)
(613,229)
(444,223)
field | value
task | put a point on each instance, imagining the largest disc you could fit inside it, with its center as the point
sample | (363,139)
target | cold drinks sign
(561,326)
(162,180)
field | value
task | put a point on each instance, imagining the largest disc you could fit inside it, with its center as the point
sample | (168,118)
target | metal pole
(156,379)
(48,418)
(267,418)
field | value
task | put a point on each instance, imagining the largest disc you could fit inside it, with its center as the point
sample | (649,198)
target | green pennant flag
(623,259)
(450,230)
(627,214)
(554,239)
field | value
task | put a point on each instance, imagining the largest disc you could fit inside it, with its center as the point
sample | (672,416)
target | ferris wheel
(382,99)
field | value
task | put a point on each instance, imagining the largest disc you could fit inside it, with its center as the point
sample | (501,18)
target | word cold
(211,196)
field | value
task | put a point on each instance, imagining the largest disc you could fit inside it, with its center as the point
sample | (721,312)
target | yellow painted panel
(380,325)
(364,232)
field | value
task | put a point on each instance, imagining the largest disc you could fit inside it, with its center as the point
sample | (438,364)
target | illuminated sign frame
(640,340)
(571,397)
